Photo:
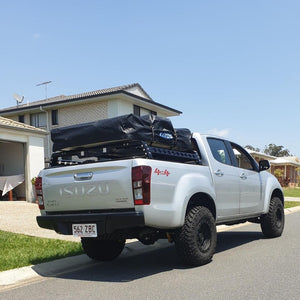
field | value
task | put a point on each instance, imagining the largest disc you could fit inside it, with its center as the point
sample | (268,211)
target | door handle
(243,176)
(83,176)
(219,173)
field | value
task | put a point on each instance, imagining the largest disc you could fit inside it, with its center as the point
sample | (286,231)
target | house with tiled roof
(21,159)
(289,167)
(258,156)
(64,110)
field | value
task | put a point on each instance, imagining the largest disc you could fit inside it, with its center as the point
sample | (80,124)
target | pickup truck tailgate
(95,186)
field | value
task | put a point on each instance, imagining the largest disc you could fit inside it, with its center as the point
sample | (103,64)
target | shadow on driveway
(139,261)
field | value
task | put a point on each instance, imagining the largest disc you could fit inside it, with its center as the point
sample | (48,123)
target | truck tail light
(39,192)
(141,181)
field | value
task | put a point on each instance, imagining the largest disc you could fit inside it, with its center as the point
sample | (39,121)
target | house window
(54,117)
(38,120)
(21,119)
(140,111)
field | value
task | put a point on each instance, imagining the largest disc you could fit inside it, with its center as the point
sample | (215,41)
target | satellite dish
(18,98)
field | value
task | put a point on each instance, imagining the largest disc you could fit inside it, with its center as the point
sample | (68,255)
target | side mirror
(264,165)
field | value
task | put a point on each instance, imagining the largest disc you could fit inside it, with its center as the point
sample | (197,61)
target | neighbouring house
(63,110)
(289,167)
(21,159)
(286,169)
(260,156)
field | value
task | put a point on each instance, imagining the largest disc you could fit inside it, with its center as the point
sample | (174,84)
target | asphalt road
(245,266)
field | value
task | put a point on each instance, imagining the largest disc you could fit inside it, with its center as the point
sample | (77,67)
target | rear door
(226,178)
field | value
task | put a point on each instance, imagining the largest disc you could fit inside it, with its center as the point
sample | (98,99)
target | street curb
(59,266)
(291,210)
(46,269)
(55,267)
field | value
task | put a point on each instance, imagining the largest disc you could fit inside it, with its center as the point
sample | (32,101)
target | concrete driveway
(20,217)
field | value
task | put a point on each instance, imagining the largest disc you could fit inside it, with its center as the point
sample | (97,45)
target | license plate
(84,230)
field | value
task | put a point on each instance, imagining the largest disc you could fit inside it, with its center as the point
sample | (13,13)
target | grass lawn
(291,192)
(18,250)
(289,204)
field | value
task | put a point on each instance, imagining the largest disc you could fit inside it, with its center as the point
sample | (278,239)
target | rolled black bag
(183,140)
(155,131)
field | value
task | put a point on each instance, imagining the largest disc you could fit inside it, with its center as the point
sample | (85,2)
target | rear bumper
(106,222)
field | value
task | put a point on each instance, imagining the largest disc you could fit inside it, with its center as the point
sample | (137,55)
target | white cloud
(36,36)
(220,132)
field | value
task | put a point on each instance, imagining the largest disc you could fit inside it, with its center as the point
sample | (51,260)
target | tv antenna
(18,98)
(45,84)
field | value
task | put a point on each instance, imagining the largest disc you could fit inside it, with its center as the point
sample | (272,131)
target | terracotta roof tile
(126,89)
(4,122)
(79,96)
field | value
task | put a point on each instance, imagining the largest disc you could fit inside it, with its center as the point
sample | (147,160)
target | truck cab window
(243,160)
(219,151)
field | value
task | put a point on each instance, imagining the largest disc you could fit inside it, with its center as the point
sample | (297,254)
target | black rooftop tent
(153,130)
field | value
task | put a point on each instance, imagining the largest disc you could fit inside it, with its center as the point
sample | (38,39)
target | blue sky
(232,67)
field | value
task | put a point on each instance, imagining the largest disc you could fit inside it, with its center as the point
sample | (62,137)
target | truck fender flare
(273,188)
(191,190)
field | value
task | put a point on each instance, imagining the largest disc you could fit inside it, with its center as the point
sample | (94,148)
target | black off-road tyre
(102,249)
(272,223)
(196,240)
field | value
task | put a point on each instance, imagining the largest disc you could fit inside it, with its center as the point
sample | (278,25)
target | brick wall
(82,113)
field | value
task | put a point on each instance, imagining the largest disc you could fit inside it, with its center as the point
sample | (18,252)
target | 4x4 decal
(160,172)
